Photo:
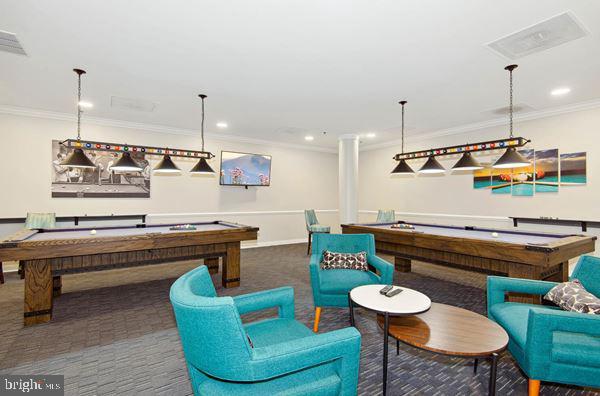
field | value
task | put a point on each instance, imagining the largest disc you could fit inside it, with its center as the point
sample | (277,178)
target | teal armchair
(276,356)
(330,287)
(386,216)
(313,226)
(550,344)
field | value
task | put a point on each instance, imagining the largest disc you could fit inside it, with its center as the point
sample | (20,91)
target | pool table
(46,254)
(519,254)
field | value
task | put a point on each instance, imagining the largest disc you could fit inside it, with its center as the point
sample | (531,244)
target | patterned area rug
(113,332)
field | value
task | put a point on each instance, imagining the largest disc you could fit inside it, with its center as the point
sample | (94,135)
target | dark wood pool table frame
(44,261)
(547,262)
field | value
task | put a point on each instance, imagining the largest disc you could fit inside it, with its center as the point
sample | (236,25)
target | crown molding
(109,122)
(458,130)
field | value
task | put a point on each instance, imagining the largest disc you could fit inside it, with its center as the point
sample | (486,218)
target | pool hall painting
(101,181)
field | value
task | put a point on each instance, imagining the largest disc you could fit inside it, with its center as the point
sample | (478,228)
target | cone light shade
(467,162)
(166,165)
(432,166)
(126,164)
(78,159)
(202,168)
(511,159)
(402,169)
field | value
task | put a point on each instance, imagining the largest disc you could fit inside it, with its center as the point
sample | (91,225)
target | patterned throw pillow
(353,261)
(572,296)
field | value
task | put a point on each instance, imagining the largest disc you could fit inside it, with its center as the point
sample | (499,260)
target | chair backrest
(343,243)
(40,220)
(311,217)
(587,271)
(386,216)
(213,338)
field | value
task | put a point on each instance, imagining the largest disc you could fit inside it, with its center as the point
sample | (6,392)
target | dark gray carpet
(113,332)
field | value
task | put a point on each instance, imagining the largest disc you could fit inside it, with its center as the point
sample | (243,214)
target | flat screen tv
(245,169)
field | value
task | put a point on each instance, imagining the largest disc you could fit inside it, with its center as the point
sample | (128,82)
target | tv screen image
(245,169)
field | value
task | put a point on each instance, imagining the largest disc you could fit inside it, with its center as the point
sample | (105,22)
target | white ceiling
(278,70)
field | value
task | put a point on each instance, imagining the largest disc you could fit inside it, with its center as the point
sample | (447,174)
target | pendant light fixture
(126,164)
(202,167)
(78,159)
(402,168)
(511,158)
(166,165)
(432,166)
(467,163)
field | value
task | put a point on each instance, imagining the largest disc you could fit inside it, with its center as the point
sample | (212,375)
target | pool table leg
(402,264)
(524,271)
(56,286)
(213,264)
(231,265)
(38,292)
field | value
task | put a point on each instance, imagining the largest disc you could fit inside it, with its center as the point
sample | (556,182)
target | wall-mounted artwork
(100,182)
(523,178)
(244,169)
(501,181)
(573,169)
(482,178)
(546,166)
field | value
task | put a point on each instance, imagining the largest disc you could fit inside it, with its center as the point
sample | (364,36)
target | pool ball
(494,235)
(93,232)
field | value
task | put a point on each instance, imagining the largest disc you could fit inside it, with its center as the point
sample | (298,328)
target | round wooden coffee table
(408,302)
(451,331)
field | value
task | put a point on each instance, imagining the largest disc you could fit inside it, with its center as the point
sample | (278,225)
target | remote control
(394,292)
(386,289)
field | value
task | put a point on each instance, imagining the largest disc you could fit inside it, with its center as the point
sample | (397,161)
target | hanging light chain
(510,69)
(402,102)
(78,105)
(202,122)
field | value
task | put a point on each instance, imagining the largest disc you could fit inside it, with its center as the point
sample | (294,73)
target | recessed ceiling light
(371,135)
(560,91)
(86,105)
(222,125)
(309,138)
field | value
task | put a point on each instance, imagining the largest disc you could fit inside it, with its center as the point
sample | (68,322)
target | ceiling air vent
(10,43)
(132,104)
(540,37)
(517,108)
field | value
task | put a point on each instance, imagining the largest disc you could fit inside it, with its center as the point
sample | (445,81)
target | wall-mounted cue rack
(122,148)
(461,149)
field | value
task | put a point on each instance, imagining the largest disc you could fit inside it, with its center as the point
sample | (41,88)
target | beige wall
(300,179)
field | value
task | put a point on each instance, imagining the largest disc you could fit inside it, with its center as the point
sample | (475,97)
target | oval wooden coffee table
(451,331)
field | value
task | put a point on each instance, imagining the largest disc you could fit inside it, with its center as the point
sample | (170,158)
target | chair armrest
(497,286)
(288,357)
(386,270)
(282,297)
(541,325)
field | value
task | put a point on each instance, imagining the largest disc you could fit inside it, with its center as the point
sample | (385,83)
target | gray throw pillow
(572,296)
(352,261)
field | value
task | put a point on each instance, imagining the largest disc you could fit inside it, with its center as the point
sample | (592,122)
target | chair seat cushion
(319,228)
(274,331)
(316,381)
(341,281)
(513,317)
